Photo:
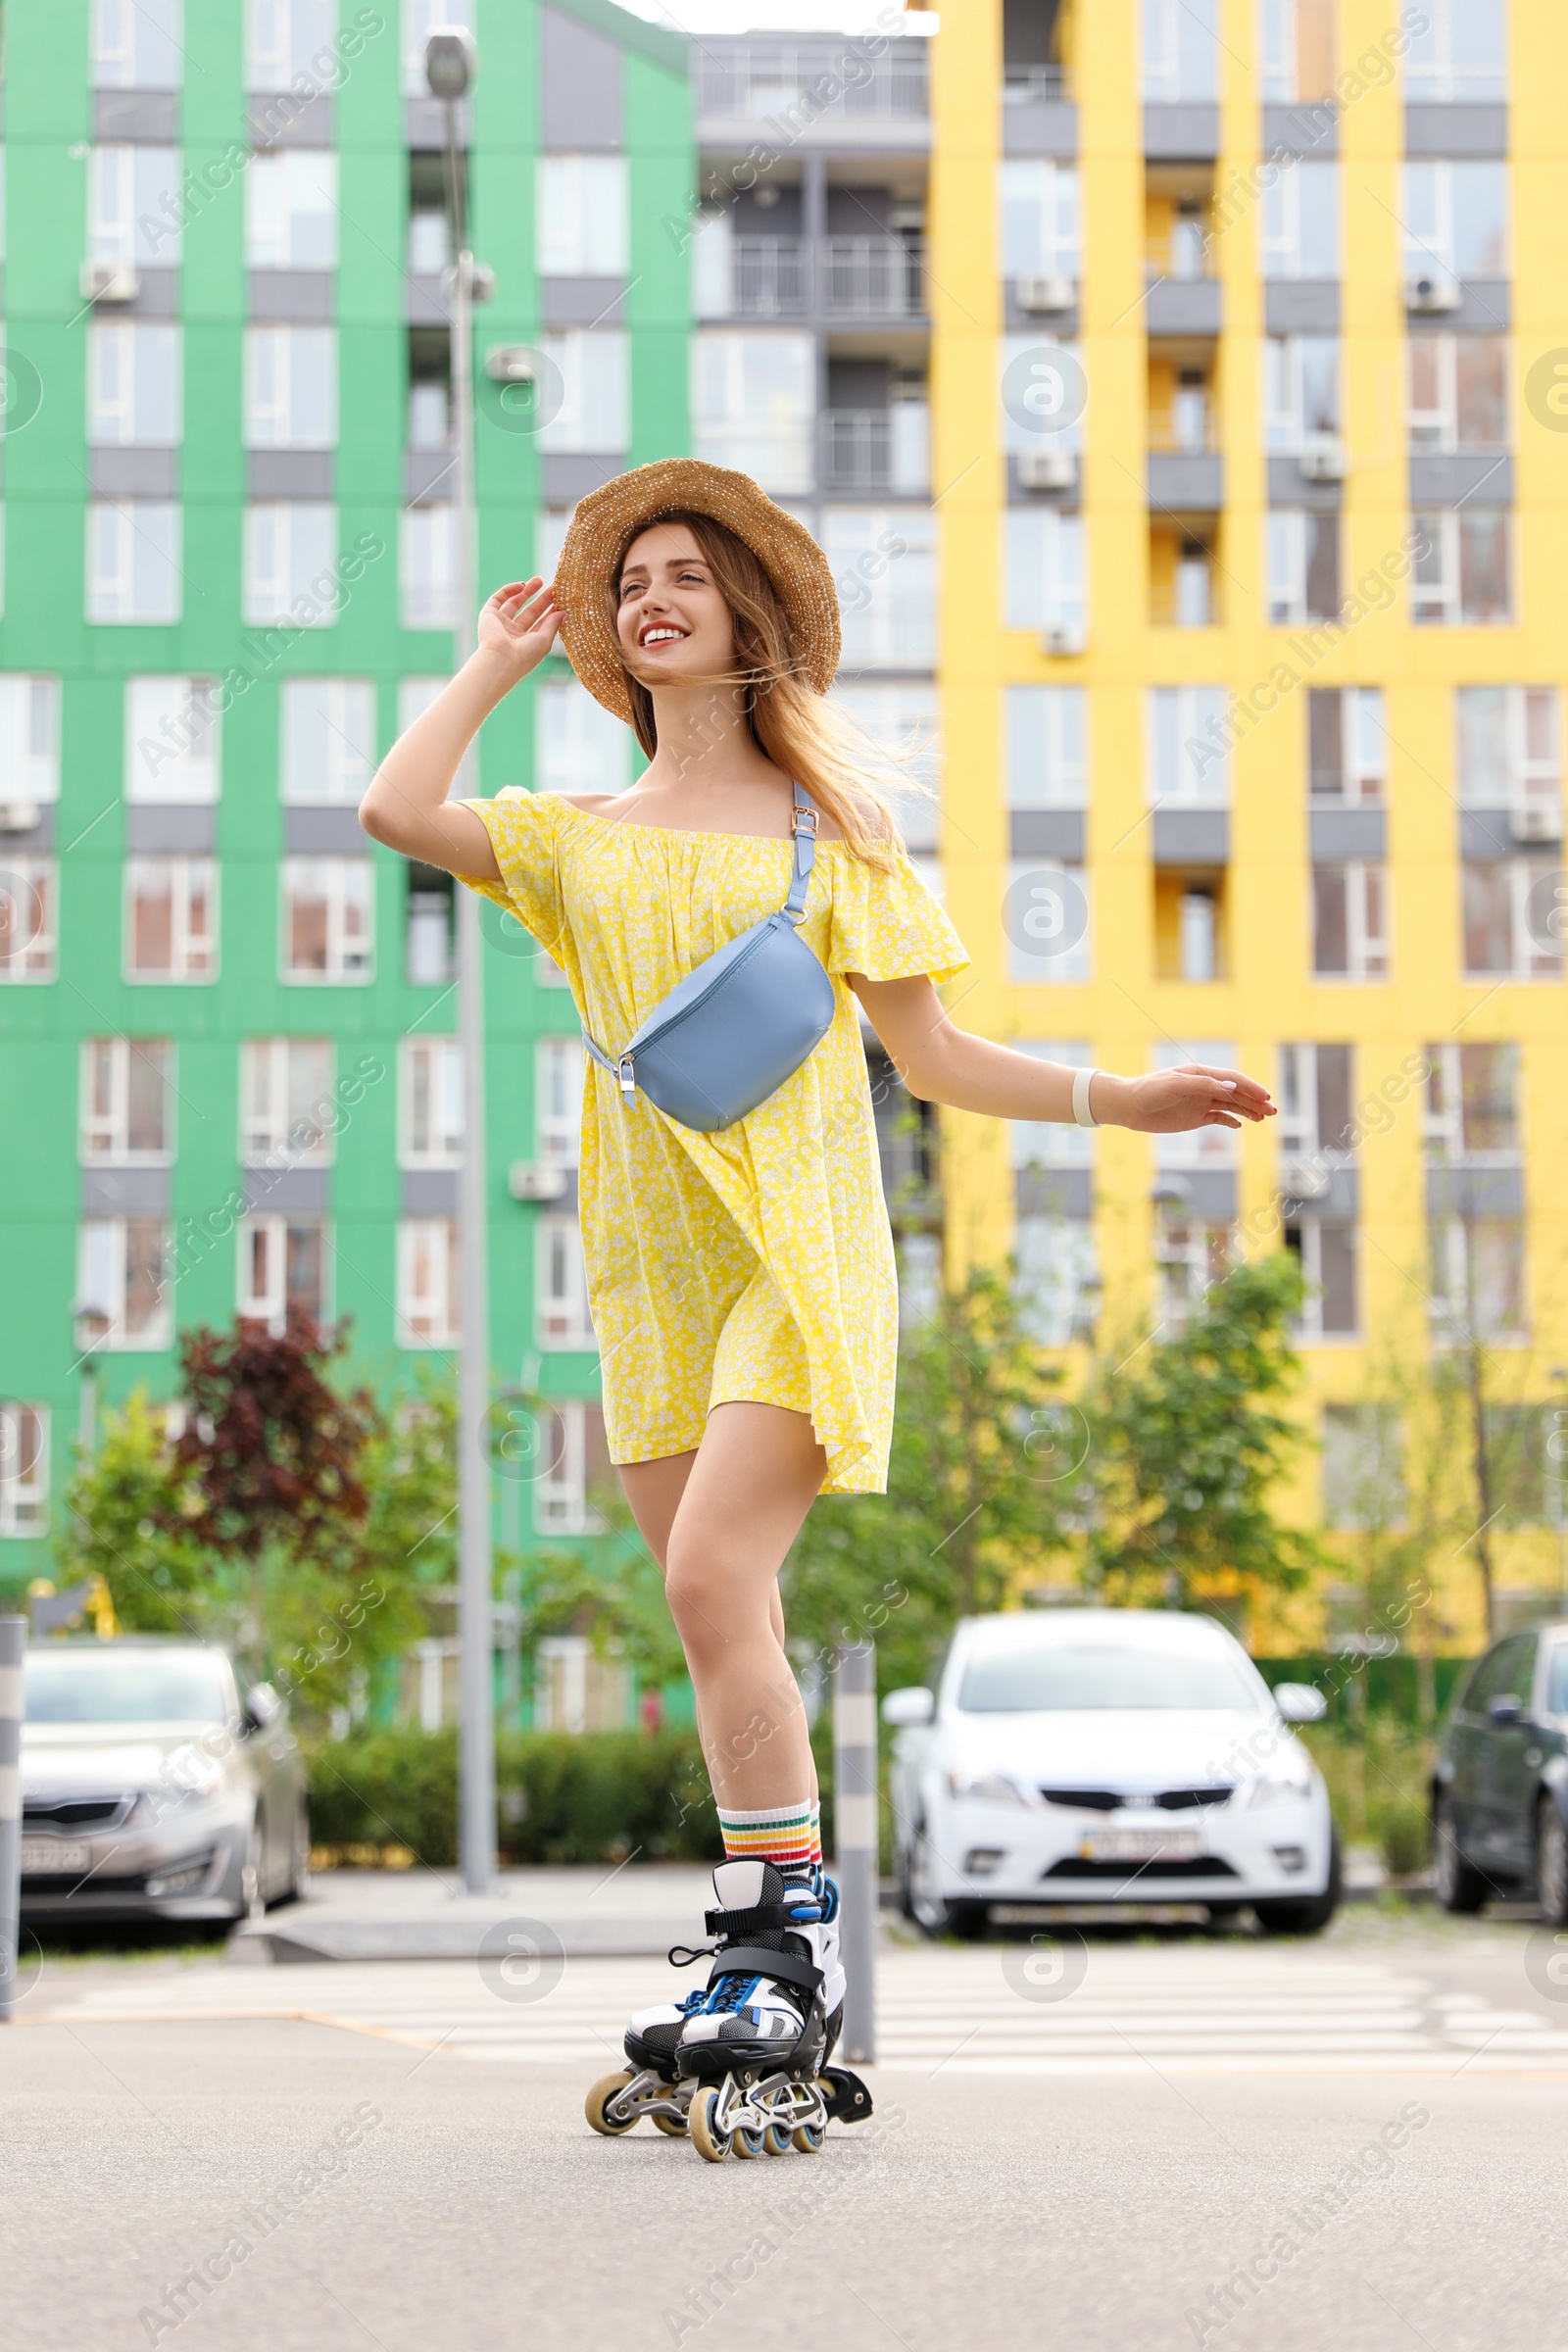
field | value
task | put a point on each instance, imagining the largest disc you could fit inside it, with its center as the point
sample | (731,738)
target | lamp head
(451,62)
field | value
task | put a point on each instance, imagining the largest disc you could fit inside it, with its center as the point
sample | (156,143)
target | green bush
(1377,1785)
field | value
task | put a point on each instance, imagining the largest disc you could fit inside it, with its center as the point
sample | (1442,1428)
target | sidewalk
(426,1915)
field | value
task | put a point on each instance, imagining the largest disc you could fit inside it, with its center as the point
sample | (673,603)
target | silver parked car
(151,1789)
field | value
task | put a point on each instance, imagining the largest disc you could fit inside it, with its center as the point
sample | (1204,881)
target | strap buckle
(804,820)
(625,1075)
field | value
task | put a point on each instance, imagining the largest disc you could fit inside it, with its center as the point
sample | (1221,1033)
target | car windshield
(125,1686)
(1101,1674)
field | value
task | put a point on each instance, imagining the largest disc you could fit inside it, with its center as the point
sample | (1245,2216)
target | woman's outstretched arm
(406,805)
(942,1064)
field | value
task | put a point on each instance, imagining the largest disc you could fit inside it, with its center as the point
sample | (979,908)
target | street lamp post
(449,65)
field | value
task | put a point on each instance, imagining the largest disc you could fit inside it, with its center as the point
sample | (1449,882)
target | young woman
(742,1280)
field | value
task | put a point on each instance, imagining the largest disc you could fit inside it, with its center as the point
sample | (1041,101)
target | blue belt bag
(731,1032)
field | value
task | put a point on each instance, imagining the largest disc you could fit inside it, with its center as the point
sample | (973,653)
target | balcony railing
(790,79)
(878,449)
(772,277)
(1033,86)
(879,277)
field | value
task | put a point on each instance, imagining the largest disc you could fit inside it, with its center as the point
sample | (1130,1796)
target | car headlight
(1288,1780)
(984,1787)
(192,1779)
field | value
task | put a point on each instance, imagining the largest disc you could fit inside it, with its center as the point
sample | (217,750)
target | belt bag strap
(803,822)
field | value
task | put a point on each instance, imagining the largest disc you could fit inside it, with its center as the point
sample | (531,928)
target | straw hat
(607,519)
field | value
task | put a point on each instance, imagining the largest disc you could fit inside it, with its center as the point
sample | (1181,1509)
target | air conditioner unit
(531,1180)
(511,363)
(1063,637)
(1536,820)
(1048,469)
(1432,292)
(109,282)
(1045,293)
(18,816)
(1303,1179)
(1322,458)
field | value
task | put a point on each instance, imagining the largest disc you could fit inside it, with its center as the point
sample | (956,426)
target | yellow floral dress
(757,1261)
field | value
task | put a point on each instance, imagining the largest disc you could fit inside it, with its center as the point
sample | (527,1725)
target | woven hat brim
(608,519)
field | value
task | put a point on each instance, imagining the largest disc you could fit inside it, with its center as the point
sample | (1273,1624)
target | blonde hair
(854,779)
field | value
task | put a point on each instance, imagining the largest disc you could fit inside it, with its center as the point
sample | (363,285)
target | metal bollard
(856,1841)
(13,1650)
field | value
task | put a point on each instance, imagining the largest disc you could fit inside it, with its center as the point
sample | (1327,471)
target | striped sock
(790,1836)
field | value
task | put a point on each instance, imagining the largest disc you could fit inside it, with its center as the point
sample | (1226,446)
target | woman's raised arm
(406,805)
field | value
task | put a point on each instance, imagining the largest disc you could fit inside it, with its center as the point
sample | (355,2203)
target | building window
(24,1468)
(286,1111)
(285,38)
(1459,53)
(558,1070)
(1039,200)
(1048,394)
(431,413)
(578,745)
(1455,219)
(1513,912)
(571,1441)
(1303,567)
(1475,1205)
(282,1271)
(1190,1254)
(595,391)
(884,560)
(1047,747)
(1508,756)
(1295,51)
(170,918)
(127,1102)
(291,210)
(1317,1141)
(1350,922)
(291,387)
(329,739)
(1362,1476)
(429,243)
(1347,746)
(1326,1252)
(753,399)
(1058,1268)
(1462,578)
(133,560)
(132,206)
(172,740)
(1046,585)
(135,45)
(29,894)
(1300,231)
(291,565)
(428,566)
(329,918)
(134,383)
(30,739)
(905,723)
(581,215)
(1458,392)
(1301,392)
(428,1293)
(1181,58)
(430,1102)
(429,931)
(1046,921)
(1478,1277)
(122,1285)
(1472,1106)
(560,1286)
(1189,763)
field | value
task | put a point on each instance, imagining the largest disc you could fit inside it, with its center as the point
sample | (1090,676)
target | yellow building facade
(1249,449)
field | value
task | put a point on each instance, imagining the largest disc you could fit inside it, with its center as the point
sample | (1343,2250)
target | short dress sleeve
(887,926)
(524,828)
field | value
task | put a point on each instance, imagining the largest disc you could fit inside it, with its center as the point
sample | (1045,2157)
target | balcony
(1033,85)
(769,277)
(872,277)
(877,449)
(781,82)
(869,277)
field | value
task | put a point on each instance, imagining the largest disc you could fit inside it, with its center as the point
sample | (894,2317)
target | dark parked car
(1499,1793)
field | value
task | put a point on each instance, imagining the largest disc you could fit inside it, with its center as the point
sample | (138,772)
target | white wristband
(1082,1081)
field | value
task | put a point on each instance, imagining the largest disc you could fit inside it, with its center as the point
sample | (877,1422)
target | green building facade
(227,1018)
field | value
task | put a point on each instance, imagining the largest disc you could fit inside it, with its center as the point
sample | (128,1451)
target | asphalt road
(1357,2142)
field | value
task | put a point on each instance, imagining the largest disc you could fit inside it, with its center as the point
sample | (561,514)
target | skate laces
(730,1992)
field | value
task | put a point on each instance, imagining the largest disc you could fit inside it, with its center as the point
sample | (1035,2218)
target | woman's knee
(712,1604)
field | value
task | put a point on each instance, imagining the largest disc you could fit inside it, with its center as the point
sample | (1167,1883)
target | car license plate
(1139,1845)
(46,1857)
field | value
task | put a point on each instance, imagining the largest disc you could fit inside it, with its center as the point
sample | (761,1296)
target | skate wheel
(713,2146)
(673,2126)
(593,2105)
(807,2137)
(776,2138)
(748,2143)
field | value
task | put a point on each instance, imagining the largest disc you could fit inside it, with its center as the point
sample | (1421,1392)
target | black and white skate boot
(776,1997)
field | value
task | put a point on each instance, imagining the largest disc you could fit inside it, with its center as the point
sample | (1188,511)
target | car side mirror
(263,1707)
(1509,1709)
(1299,1702)
(905,1710)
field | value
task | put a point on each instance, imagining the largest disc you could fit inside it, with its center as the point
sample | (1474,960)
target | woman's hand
(1172,1101)
(517,627)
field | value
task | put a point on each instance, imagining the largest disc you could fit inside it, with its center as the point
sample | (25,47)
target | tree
(1186,1444)
(130,1510)
(975,1491)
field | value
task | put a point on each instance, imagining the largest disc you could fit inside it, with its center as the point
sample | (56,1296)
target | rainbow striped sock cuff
(790,1836)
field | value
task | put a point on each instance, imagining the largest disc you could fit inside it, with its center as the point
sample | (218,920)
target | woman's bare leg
(721,1522)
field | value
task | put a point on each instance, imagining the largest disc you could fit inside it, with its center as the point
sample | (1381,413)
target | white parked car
(1107,1755)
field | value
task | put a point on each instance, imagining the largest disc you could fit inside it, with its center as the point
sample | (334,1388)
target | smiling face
(671,617)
